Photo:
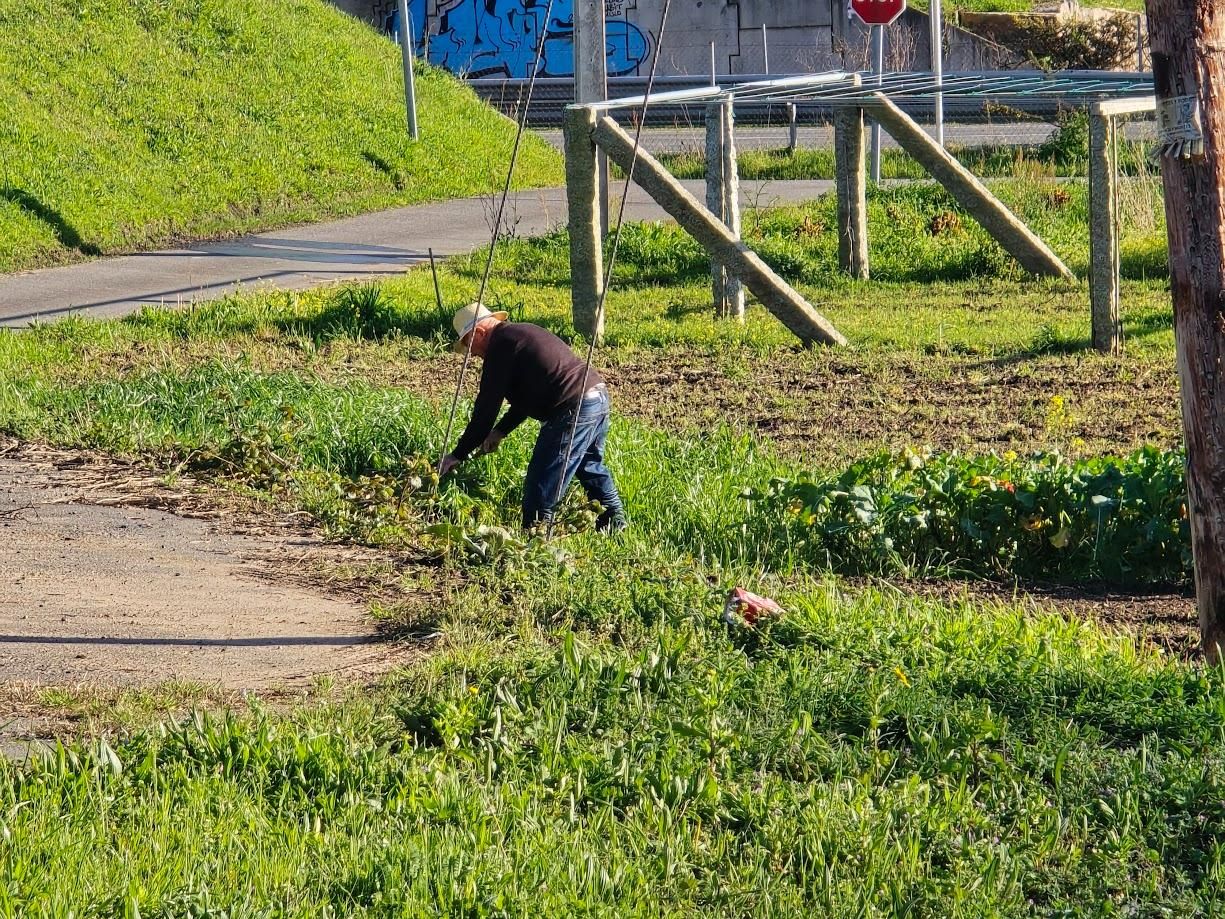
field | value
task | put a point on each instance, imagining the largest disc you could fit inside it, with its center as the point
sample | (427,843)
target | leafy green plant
(1042,517)
(1068,146)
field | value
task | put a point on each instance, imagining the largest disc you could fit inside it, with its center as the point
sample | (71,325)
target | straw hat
(468,318)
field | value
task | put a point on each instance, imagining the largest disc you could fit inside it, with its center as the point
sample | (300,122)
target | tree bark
(1187,38)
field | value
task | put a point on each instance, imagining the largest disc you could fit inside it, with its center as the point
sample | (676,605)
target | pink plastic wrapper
(745,608)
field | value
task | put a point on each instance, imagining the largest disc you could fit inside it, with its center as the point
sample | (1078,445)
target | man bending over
(538,375)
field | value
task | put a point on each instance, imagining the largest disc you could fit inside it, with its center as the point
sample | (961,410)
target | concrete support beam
(1017,239)
(850,156)
(586,239)
(1103,234)
(723,200)
(775,294)
(591,76)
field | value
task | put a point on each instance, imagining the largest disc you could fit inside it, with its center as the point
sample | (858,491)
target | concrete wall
(498,38)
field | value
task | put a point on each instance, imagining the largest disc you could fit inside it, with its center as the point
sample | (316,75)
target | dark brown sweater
(533,370)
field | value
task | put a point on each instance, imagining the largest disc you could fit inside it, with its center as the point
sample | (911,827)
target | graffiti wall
(499,38)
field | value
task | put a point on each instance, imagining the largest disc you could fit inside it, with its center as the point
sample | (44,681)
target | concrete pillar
(1018,240)
(775,294)
(850,156)
(723,200)
(586,239)
(591,76)
(1103,236)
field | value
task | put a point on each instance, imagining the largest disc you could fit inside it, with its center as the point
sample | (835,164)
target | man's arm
(494,378)
(511,420)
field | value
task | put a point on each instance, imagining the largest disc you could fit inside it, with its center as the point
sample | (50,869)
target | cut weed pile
(589,735)
(135,123)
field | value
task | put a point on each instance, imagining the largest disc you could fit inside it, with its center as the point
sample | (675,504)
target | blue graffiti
(499,38)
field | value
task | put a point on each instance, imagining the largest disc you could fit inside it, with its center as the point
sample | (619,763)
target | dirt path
(100,592)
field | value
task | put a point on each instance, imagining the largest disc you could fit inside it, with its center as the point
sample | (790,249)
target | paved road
(815,137)
(372,245)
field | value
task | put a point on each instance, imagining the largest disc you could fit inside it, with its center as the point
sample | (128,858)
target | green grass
(135,123)
(586,735)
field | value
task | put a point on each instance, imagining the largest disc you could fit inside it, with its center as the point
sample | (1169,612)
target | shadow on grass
(1151,323)
(381,165)
(65,232)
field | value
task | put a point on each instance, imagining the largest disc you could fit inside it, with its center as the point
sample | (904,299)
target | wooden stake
(1017,239)
(852,182)
(1186,38)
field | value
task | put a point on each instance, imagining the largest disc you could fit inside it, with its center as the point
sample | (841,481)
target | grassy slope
(131,123)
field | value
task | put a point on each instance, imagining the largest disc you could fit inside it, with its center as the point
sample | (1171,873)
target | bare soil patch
(112,578)
(831,408)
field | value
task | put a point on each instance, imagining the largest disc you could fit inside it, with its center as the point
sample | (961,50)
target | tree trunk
(1187,38)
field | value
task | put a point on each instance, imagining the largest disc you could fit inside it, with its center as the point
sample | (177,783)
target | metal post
(591,78)
(936,17)
(407,53)
(714,72)
(1140,42)
(878,68)
(765,49)
(793,124)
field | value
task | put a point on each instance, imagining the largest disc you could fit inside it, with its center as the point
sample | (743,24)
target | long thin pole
(936,17)
(497,225)
(765,49)
(407,54)
(612,256)
(437,286)
(878,68)
(714,72)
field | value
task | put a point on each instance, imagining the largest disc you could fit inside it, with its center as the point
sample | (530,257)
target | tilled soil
(830,409)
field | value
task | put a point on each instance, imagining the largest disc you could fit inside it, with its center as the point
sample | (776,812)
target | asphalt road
(373,245)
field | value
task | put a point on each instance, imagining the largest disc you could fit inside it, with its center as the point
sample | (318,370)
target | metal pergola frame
(848,88)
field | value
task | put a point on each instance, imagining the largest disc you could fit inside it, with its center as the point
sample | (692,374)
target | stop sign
(878,12)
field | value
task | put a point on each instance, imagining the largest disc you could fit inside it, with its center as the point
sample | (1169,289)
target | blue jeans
(547,480)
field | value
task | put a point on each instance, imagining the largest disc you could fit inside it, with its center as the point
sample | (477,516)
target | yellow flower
(1010,455)
(901,675)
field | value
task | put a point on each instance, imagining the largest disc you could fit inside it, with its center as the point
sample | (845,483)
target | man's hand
(493,441)
(447,465)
